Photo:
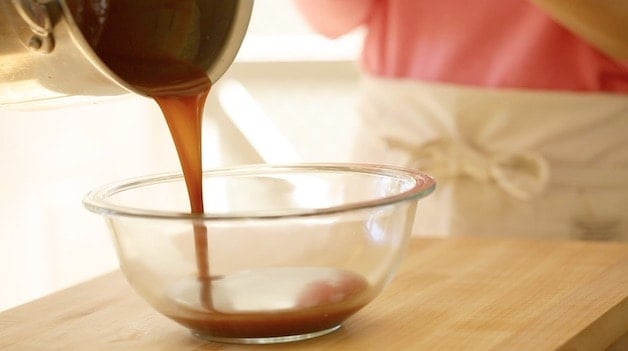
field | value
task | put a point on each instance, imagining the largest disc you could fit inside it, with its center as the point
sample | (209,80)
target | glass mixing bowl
(282,253)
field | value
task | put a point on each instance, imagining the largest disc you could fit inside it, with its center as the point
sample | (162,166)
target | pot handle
(35,13)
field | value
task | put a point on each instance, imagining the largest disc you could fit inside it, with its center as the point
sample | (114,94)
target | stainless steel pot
(45,59)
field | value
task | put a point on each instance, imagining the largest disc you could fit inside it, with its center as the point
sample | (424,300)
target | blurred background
(284,77)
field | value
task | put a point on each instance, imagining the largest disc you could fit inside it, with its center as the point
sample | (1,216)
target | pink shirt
(490,43)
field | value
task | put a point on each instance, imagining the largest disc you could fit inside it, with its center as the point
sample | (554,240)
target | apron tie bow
(522,174)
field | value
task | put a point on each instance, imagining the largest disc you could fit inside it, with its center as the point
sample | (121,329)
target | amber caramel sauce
(264,325)
(129,37)
(151,44)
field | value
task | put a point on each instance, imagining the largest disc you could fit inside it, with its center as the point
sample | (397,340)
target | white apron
(552,165)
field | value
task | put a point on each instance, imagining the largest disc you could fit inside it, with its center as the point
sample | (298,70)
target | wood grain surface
(449,294)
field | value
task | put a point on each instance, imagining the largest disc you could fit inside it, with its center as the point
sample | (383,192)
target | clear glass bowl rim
(97,199)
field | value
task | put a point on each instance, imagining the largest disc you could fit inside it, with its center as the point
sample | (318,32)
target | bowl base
(265,340)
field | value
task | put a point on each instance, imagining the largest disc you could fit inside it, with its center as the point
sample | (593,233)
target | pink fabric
(489,43)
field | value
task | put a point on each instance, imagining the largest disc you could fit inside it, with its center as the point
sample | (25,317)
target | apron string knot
(522,174)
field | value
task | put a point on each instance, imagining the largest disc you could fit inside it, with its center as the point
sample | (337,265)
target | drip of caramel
(150,44)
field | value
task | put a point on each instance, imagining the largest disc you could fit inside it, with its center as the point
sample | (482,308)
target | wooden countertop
(449,294)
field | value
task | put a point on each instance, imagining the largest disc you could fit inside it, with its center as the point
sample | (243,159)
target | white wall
(51,158)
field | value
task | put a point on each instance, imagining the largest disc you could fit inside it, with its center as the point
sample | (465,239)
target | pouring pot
(47,57)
